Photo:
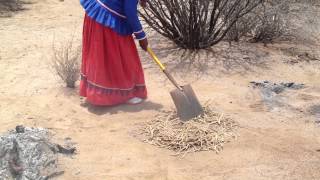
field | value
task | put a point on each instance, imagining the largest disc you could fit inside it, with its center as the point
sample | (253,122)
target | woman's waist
(113,6)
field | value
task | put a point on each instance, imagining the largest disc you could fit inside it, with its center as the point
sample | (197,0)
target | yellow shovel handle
(155,58)
(163,68)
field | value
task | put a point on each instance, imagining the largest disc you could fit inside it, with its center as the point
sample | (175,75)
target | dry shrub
(66,62)
(8,6)
(195,24)
(264,24)
(270,24)
(269,29)
(208,132)
(242,27)
(300,55)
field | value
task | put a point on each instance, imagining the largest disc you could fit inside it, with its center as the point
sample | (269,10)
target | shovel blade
(186,102)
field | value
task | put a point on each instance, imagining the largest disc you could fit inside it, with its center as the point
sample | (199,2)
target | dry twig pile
(208,132)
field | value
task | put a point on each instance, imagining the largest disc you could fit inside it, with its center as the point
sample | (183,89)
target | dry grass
(66,62)
(208,132)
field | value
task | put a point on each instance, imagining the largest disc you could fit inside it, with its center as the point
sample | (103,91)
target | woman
(111,71)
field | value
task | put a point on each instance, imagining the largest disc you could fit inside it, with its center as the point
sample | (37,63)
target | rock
(271,92)
(64,150)
(19,129)
(277,87)
(25,153)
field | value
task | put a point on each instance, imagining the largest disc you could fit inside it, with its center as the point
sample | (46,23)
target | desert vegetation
(66,62)
(193,24)
(9,6)
(264,112)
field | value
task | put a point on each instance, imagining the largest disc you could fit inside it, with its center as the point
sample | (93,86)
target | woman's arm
(131,12)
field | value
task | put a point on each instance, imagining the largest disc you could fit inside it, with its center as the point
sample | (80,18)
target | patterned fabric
(119,15)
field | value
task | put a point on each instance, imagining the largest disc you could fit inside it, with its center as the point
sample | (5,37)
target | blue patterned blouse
(120,15)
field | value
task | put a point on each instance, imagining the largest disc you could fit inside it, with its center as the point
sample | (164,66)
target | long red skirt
(111,71)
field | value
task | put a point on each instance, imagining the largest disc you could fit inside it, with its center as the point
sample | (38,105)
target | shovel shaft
(163,68)
(173,81)
(156,60)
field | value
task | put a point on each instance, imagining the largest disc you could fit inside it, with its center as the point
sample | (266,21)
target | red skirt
(111,71)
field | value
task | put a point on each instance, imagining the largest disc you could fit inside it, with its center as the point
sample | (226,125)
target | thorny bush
(195,24)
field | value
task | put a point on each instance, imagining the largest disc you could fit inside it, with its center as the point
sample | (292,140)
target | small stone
(77,172)
(20,129)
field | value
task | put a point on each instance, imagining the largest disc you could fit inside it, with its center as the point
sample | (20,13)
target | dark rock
(278,89)
(64,150)
(19,129)
(271,92)
(288,84)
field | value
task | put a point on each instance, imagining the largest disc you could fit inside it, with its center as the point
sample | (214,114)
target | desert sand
(277,142)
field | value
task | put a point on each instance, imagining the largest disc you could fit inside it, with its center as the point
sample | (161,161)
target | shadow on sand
(222,58)
(102,110)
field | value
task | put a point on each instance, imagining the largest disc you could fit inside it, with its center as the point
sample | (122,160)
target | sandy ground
(278,142)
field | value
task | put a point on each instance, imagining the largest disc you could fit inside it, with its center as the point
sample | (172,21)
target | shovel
(184,98)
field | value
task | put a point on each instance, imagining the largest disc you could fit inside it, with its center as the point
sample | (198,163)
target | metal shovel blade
(186,102)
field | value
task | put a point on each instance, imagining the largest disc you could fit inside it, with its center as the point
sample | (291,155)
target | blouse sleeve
(131,12)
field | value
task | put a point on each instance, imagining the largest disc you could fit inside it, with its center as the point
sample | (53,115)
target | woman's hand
(144,44)
(143,3)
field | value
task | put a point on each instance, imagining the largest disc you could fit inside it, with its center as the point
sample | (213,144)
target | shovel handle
(156,60)
(163,68)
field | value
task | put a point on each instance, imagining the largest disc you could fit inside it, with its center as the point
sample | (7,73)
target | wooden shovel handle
(163,68)
(173,81)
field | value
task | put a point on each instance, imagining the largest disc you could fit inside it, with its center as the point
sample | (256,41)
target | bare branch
(195,24)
